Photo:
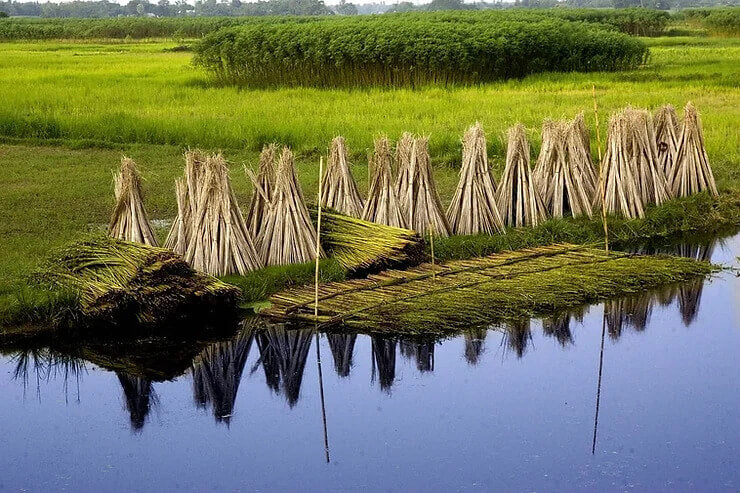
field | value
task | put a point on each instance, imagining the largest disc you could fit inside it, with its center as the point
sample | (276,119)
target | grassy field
(71,109)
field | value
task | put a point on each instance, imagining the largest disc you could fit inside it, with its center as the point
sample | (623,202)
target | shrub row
(407,51)
(721,20)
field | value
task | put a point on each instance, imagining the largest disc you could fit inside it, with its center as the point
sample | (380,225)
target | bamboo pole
(318,243)
(602,178)
(431,243)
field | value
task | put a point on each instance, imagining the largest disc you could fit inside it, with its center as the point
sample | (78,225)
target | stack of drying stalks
(287,235)
(129,220)
(691,172)
(473,209)
(210,225)
(263,185)
(578,145)
(383,205)
(338,187)
(417,189)
(646,168)
(666,137)
(518,198)
(560,178)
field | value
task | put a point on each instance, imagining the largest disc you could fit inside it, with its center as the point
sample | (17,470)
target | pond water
(504,408)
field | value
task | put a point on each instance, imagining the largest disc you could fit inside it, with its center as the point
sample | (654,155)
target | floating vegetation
(473,209)
(361,246)
(510,285)
(338,188)
(518,199)
(287,236)
(692,172)
(666,137)
(383,205)
(129,220)
(117,281)
(263,185)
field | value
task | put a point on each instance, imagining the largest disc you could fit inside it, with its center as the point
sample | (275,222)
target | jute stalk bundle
(287,235)
(692,172)
(422,204)
(404,151)
(129,220)
(382,204)
(220,242)
(186,191)
(621,192)
(578,146)
(517,197)
(263,185)
(559,179)
(338,188)
(473,209)
(666,137)
(648,174)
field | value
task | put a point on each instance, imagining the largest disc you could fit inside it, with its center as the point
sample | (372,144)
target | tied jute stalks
(421,201)
(186,192)
(339,189)
(219,241)
(263,185)
(473,209)
(404,151)
(559,177)
(648,173)
(621,194)
(288,235)
(666,137)
(382,205)
(517,197)
(578,146)
(129,220)
(692,172)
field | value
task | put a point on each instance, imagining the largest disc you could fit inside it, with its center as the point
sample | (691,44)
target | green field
(70,109)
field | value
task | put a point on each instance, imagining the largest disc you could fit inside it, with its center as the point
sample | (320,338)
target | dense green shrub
(409,50)
(721,20)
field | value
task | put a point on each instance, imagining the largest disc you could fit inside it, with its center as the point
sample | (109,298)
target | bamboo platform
(509,285)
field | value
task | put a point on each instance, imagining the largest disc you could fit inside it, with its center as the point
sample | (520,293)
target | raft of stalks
(129,220)
(338,188)
(691,173)
(383,205)
(473,209)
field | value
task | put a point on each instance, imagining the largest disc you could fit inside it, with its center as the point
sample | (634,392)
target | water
(504,408)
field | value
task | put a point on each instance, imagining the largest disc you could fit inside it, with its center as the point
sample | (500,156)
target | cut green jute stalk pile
(509,285)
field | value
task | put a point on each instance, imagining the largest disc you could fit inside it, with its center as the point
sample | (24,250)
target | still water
(498,408)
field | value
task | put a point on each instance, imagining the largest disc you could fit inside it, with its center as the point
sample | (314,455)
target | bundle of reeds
(473,209)
(287,236)
(646,169)
(219,241)
(338,187)
(620,188)
(420,200)
(691,173)
(578,146)
(186,191)
(518,199)
(666,137)
(382,205)
(362,247)
(263,185)
(404,153)
(560,179)
(129,220)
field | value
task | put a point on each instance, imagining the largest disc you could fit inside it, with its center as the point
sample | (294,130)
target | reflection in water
(421,352)
(384,360)
(517,336)
(689,296)
(475,344)
(217,371)
(633,311)
(48,365)
(283,354)
(342,349)
(139,398)
(558,326)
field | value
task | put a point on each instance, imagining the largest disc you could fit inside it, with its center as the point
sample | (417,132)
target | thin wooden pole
(321,392)
(598,387)
(431,242)
(602,176)
(318,244)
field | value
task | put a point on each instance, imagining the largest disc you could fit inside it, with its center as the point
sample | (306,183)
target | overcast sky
(328,2)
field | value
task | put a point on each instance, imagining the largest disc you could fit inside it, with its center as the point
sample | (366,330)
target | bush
(720,20)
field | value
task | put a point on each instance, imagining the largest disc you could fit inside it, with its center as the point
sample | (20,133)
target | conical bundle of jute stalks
(129,220)
(518,199)
(648,173)
(263,184)
(219,241)
(559,179)
(404,152)
(473,209)
(287,235)
(666,137)
(578,146)
(422,205)
(338,188)
(620,187)
(186,191)
(692,172)
(382,205)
